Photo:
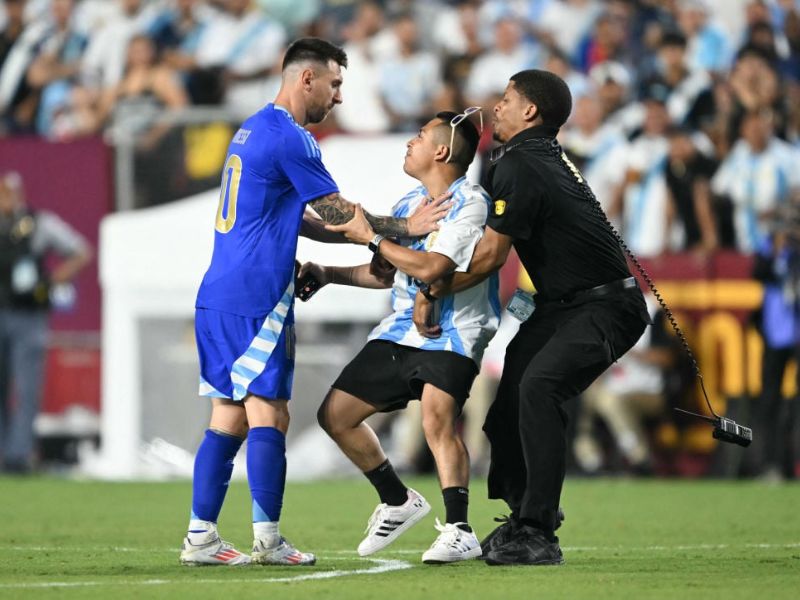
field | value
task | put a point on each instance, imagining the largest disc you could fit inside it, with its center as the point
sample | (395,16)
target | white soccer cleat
(214,552)
(387,523)
(282,554)
(452,545)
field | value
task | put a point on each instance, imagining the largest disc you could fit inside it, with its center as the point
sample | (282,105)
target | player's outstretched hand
(423,317)
(357,230)
(428,214)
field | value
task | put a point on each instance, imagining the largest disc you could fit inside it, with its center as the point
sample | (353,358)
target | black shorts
(388,375)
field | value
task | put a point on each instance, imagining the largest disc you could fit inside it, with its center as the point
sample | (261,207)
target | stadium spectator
(27,237)
(490,71)
(146,89)
(364,111)
(612,83)
(606,42)
(777,266)
(754,85)
(565,23)
(236,55)
(53,72)
(641,200)
(597,149)
(687,90)
(689,172)
(411,80)
(12,27)
(756,177)
(709,47)
(176,32)
(104,62)
(556,62)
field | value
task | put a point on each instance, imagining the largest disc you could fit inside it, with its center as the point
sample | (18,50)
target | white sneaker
(388,522)
(214,552)
(452,545)
(282,554)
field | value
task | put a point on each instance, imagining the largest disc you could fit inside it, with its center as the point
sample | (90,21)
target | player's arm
(356,276)
(421,265)
(490,254)
(313,228)
(335,210)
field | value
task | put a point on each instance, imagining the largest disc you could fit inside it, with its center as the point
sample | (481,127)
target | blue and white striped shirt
(469,318)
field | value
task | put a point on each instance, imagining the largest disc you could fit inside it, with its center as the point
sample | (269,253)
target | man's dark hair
(314,49)
(673,38)
(465,140)
(548,92)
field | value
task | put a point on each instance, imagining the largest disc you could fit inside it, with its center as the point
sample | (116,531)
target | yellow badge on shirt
(499,207)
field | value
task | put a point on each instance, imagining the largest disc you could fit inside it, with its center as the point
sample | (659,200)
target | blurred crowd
(685,120)
(686,115)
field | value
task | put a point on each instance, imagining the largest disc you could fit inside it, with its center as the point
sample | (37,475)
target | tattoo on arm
(335,210)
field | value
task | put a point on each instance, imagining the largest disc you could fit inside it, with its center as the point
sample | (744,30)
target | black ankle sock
(456,504)
(388,484)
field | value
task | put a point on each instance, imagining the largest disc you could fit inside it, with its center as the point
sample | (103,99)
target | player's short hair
(465,140)
(313,49)
(548,92)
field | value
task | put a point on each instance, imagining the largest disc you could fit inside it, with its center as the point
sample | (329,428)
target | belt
(605,289)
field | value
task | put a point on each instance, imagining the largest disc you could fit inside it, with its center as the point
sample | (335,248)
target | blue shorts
(241,355)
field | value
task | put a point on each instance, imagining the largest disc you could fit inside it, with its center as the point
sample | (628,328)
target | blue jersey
(272,169)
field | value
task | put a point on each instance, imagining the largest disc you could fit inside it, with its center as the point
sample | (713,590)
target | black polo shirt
(544,204)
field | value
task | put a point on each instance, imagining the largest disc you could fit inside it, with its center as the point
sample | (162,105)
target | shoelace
(504,519)
(375,518)
(449,533)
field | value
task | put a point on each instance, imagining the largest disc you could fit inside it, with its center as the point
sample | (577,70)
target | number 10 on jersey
(229,194)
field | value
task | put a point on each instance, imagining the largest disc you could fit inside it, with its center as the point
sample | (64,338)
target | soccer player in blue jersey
(244,318)
(398,365)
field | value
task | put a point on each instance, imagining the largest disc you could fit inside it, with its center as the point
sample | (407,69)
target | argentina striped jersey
(469,318)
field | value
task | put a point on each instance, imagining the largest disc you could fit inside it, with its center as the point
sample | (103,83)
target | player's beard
(317,114)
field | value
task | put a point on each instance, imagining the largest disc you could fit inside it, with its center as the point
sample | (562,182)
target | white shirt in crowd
(756,184)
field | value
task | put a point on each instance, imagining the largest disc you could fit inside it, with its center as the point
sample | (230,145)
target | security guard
(26,237)
(587,313)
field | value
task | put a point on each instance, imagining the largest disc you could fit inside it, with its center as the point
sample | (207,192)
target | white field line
(381,566)
(324,553)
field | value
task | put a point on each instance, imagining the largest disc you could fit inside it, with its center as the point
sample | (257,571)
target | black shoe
(502,534)
(528,546)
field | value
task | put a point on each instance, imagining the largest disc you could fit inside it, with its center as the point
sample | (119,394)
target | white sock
(267,532)
(201,532)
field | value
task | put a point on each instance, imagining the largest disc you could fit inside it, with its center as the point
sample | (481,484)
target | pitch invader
(398,365)
(244,321)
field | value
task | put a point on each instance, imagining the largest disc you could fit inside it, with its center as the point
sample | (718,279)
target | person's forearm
(70,267)
(486,259)
(418,264)
(333,209)
(313,228)
(354,276)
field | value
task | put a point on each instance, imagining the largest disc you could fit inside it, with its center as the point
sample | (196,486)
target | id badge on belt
(521,305)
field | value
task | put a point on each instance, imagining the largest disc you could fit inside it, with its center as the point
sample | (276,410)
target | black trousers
(557,353)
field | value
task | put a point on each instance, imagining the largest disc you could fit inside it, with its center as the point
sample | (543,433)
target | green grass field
(621,539)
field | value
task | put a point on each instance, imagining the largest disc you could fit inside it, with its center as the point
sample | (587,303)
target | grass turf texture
(621,539)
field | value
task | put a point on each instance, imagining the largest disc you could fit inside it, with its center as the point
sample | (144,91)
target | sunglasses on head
(455,121)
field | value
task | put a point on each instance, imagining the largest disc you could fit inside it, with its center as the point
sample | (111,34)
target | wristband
(375,242)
